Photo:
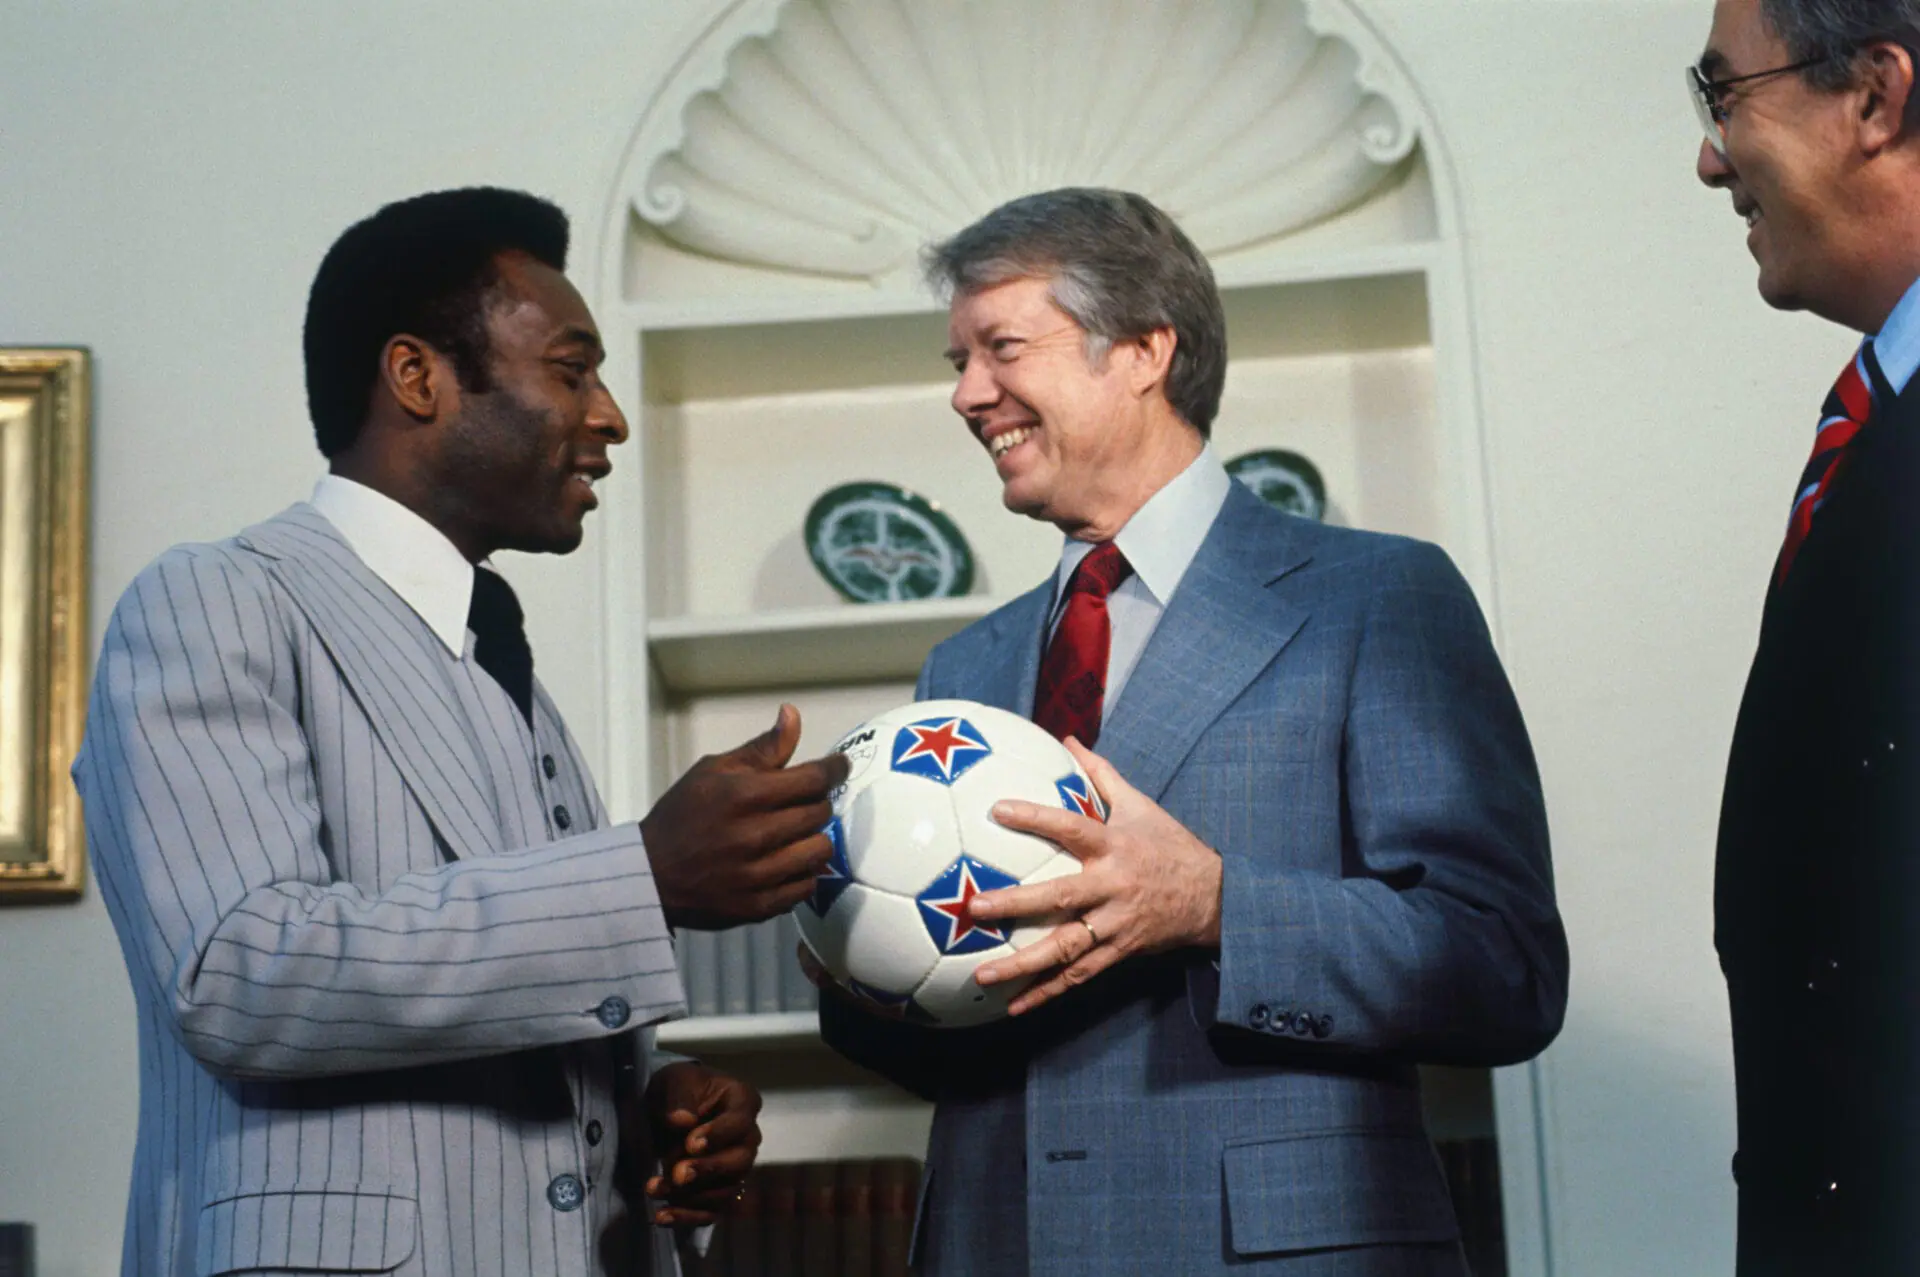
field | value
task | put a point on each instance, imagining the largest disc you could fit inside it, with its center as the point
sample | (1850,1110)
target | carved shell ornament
(844,135)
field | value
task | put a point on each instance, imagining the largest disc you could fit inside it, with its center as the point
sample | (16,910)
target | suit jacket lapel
(1018,628)
(386,657)
(1224,626)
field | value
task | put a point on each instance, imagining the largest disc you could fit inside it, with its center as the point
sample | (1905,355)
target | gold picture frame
(45,404)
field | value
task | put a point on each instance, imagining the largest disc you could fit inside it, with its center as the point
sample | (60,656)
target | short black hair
(421,266)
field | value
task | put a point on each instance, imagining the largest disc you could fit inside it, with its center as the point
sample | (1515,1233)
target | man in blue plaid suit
(1325,860)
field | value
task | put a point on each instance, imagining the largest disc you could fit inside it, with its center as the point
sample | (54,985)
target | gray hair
(1117,265)
(1830,33)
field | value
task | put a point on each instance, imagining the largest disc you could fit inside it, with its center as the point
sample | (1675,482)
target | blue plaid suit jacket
(1323,707)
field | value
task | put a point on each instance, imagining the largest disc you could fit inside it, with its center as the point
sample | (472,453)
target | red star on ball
(956,907)
(1077,795)
(940,743)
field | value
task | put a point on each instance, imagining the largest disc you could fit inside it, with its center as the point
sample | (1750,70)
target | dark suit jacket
(1817,899)
(1324,708)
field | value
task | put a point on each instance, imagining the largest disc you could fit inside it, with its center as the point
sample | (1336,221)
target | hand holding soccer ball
(1147,886)
(915,841)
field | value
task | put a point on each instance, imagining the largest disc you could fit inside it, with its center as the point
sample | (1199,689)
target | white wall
(1647,416)
(173,172)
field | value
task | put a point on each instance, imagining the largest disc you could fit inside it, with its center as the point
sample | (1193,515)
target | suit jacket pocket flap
(322,1230)
(1336,1188)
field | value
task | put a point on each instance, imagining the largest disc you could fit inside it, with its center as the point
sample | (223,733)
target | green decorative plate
(1284,480)
(879,543)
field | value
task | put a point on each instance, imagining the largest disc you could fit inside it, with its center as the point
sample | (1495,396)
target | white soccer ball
(914,840)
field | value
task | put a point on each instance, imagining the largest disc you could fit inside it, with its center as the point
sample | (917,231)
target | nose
(1711,167)
(604,417)
(976,391)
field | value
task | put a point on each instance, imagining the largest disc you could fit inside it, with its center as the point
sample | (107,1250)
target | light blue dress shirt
(1159,542)
(1897,346)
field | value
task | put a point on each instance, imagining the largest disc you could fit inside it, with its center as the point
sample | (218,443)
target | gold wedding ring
(1090,931)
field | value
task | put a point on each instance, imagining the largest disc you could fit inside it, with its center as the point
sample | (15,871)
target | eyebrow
(995,332)
(574,335)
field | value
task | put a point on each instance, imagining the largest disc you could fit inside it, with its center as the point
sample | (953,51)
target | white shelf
(1409,258)
(772,1031)
(806,1124)
(1319,308)
(852,643)
(808,309)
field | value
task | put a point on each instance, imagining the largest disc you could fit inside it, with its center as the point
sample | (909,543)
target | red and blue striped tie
(1848,410)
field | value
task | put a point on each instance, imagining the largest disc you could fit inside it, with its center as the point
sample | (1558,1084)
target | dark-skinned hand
(810,967)
(706,1128)
(738,838)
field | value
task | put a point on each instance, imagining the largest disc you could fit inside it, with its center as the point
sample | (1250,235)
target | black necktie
(500,638)
(537,1075)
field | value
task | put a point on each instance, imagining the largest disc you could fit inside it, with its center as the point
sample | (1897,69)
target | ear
(1886,77)
(417,376)
(1151,359)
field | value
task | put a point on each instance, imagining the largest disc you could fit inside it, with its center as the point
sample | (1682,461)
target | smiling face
(515,462)
(1078,443)
(1789,154)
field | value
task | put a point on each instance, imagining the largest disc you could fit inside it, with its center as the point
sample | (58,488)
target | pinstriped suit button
(594,1133)
(1258,1017)
(613,1012)
(1323,1026)
(566,1192)
(548,766)
(1302,1024)
(562,817)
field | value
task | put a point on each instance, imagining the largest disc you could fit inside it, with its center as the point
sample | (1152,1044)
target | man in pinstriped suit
(394,968)
(1325,859)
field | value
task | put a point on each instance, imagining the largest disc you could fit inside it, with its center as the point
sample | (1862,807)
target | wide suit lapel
(387,659)
(1226,624)
(1018,627)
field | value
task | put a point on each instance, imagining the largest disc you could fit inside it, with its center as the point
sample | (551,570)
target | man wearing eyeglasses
(1813,127)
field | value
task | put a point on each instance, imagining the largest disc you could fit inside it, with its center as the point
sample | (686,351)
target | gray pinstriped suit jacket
(378,935)
(1324,708)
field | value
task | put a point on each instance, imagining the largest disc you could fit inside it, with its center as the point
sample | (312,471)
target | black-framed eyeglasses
(1710,96)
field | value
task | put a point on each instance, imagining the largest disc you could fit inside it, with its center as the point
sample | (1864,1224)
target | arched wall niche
(757,280)
(804,144)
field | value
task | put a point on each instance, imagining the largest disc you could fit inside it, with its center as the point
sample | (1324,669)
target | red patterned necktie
(1848,410)
(1068,696)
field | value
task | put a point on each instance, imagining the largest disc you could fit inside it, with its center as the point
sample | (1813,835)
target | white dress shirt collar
(412,556)
(1163,535)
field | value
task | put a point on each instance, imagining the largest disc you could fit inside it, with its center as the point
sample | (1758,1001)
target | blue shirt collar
(1162,537)
(1897,345)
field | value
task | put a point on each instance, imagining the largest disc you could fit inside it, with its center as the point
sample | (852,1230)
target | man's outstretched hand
(738,838)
